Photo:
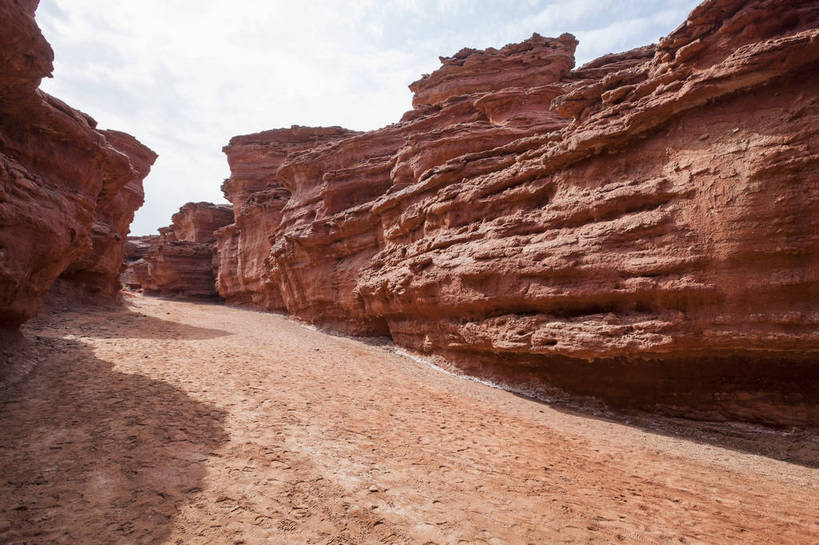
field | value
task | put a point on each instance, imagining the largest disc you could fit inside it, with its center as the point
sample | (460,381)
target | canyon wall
(180,261)
(136,268)
(644,228)
(68,191)
(258,198)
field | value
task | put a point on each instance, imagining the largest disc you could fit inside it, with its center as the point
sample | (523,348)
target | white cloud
(184,76)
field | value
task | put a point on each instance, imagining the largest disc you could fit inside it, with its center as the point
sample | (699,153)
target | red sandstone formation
(258,198)
(135,275)
(536,61)
(643,228)
(137,248)
(197,221)
(180,261)
(308,184)
(98,270)
(68,191)
(136,270)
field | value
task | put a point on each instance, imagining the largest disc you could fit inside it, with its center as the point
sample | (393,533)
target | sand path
(183,423)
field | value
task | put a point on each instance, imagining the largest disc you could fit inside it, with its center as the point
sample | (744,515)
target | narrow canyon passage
(185,423)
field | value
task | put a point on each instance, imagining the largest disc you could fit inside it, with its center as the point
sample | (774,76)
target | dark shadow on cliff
(92,455)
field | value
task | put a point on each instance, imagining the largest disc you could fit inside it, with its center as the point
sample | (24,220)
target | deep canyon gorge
(634,242)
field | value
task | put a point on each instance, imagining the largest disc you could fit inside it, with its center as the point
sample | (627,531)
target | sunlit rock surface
(643,228)
(258,198)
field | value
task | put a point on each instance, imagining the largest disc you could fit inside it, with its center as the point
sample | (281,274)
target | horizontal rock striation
(258,198)
(662,247)
(68,191)
(534,62)
(180,261)
(643,228)
(136,268)
(323,229)
(327,233)
(137,247)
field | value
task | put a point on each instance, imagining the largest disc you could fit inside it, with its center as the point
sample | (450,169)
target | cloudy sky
(184,76)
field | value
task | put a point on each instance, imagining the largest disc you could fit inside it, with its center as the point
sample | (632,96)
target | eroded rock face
(643,228)
(136,268)
(258,198)
(327,232)
(180,261)
(315,197)
(68,191)
(197,222)
(137,248)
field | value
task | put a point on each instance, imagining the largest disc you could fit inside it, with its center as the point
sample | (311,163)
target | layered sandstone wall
(137,247)
(664,247)
(321,186)
(643,228)
(136,268)
(258,198)
(180,261)
(68,191)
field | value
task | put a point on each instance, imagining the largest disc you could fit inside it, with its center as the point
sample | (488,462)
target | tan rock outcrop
(68,191)
(643,228)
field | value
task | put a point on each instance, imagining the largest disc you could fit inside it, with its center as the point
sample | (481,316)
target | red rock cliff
(180,261)
(68,191)
(136,268)
(258,198)
(643,228)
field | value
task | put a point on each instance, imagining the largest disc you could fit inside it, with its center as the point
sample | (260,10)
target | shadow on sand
(127,324)
(799,447)
(765,407)
(92,455)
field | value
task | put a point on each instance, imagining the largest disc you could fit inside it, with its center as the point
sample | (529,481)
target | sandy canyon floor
(185,423)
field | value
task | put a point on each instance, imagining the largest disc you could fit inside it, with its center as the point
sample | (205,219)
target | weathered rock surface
(197,221)
(534,62)
(317,196)
(68,191)
(136,268)
(180,261)
(135,275)
(137,248)
(258,198)
(644,228)
(663,247)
